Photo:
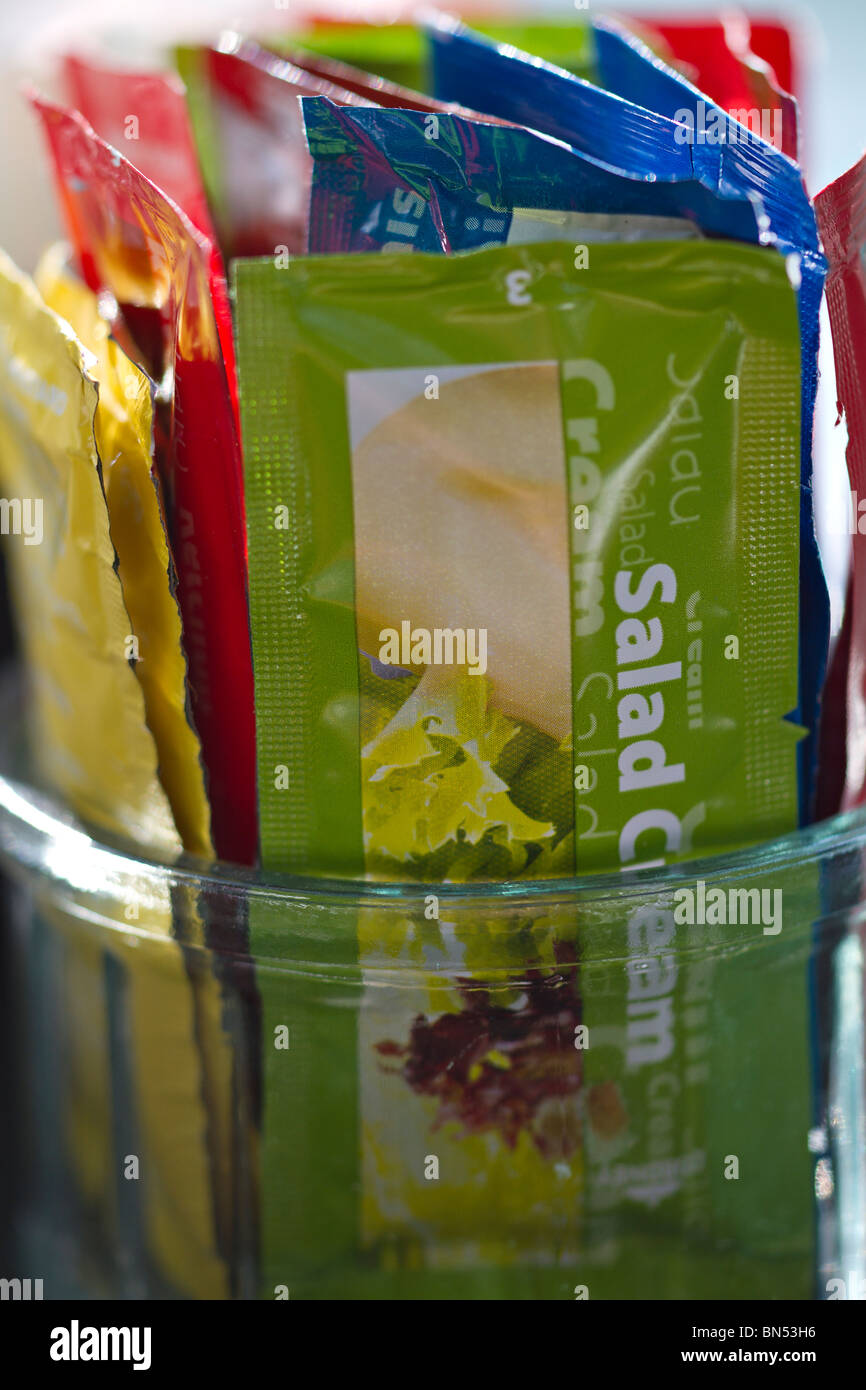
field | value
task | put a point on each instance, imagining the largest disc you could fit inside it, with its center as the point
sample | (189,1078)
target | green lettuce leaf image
(451,788)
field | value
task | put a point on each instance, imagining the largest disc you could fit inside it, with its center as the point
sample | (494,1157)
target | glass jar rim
(32,822)
(34,825)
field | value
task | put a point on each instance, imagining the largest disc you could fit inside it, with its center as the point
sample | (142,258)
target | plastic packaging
(719,57)
(398,52)
(250,133)
(88,708)
(842,221)
(133,241)
(124,439)
(368,85)
(437,662)
(245,111)
(146,115)
(402,179)
(728,158)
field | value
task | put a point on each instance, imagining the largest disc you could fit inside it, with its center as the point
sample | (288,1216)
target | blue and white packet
(728,160)
(393,179)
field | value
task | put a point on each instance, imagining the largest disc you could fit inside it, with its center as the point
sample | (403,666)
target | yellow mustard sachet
(124,441)
(92,584)
(91,737)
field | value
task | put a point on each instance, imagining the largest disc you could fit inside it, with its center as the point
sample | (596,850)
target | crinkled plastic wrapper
(132,240)
(88,709)
(733,61)
(124,438)
(382,182)
(840,210)
(398,53)
(550,650)
(729,158)
(146,113)
(91,738)
(251,139)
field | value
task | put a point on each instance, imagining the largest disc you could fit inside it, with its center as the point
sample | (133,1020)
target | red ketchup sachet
(134,241)
(251,134)
(145,114)
(734,62)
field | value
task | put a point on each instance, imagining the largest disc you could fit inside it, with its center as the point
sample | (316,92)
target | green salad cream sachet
(523,545)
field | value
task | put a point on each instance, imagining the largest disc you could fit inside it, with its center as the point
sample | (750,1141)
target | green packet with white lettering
(523,548)
(500,510)
(534,1095)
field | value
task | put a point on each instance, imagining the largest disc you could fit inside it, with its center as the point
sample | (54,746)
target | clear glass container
(236,1085)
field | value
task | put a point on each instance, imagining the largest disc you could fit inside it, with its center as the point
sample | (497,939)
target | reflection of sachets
(176,1119)
(470,1098)
(141,1122)
(512,527)
(446,1054)
(86,1047)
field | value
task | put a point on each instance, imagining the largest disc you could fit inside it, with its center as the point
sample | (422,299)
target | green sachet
(518,532)
(523,1095)
(400,52)
(523,546)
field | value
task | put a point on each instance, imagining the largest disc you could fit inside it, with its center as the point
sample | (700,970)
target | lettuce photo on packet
(512,528)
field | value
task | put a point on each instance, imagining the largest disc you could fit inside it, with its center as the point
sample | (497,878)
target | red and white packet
(841,213)
(745,66)
(133,241)
(144,115)
(264,181)
(265,169)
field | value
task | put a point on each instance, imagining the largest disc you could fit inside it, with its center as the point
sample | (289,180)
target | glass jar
(237,1085)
